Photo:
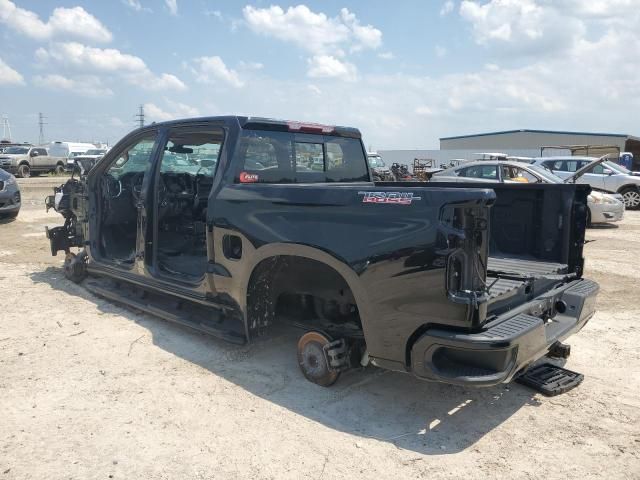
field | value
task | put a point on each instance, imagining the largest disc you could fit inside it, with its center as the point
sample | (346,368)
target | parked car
(25,160)
(603,207)
(91,154)
(457,283)
(379,169)
(68,149)
(10,200)
(607,176)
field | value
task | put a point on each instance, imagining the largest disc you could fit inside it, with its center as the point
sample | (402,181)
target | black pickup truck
(231,224)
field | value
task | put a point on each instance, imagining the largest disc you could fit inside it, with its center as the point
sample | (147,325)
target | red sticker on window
(248,177)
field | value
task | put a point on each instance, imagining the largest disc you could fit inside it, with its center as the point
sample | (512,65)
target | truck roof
(264,123)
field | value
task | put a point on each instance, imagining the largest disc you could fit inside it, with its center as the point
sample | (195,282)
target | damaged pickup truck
(232,224)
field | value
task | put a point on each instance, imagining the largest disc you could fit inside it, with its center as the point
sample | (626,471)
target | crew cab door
(38,159)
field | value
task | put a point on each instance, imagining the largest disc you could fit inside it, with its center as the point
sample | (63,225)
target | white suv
(607,176)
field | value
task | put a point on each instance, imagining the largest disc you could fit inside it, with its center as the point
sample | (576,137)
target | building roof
(557,132)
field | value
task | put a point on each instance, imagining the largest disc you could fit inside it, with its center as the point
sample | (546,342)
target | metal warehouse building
(534,139)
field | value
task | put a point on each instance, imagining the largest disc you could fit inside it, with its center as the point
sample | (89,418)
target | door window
(512,174)
(133,159)
(485,172)
(556,165)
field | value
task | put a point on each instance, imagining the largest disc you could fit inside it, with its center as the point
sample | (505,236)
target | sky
(405,73)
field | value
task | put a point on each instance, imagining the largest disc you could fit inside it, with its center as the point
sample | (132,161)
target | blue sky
(405,73)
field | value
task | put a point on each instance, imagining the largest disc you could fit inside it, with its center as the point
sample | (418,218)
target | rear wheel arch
(270,278)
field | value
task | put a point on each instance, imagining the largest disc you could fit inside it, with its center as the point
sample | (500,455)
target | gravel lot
(92,390)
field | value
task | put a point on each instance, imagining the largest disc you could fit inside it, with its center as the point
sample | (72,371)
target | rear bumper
(508,344)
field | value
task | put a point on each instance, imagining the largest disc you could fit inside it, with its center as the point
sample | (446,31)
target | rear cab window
(267,156)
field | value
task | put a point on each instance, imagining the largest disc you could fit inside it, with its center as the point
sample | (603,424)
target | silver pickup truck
(24,160)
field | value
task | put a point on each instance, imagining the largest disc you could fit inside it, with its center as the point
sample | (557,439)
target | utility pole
(6,127)
(41,125)
(140,116)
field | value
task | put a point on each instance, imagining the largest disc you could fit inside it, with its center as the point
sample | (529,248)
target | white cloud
(213,70)
(133,4)
(250,65)
(172,5)
(86,85)
(63,22)
(424,110)
(522,26)
(327,66)
(314,32)
(440,51)
(386,55)
(9,76)
(174,110)
(90,60)
(328,39)
(136,5)
(447,8)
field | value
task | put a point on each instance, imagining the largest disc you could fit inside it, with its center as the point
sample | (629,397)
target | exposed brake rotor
(313,361)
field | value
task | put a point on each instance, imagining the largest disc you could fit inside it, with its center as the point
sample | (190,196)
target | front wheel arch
(24,170)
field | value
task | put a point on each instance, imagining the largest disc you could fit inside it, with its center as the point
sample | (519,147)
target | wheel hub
(313,360)
(632,199)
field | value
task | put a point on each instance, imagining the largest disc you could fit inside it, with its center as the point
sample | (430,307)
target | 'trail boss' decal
(396,198)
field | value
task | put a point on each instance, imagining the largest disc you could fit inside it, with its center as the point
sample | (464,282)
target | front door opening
(120,186)
(184,181)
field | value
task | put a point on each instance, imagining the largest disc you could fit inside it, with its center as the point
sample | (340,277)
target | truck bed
(501,289)
(520,266)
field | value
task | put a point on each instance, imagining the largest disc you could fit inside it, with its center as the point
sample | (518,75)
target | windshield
(617,168)
(16,150)
(95,152)
(546,174)
(375,161)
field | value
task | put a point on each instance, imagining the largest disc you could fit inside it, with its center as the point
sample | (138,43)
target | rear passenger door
(41,161)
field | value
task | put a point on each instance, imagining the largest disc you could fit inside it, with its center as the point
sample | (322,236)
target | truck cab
(23,160)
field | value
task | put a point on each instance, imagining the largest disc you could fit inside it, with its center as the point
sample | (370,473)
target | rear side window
(487,172)
(558,165)
(284,157)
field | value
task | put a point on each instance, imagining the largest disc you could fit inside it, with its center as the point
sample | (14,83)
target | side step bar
(216,324)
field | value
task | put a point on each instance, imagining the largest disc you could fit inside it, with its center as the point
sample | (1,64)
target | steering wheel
(136,188)
(112,186)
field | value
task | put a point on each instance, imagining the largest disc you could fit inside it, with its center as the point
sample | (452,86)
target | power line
(41,125)
(140,116)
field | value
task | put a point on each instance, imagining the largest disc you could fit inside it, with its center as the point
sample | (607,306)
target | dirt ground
(92,390)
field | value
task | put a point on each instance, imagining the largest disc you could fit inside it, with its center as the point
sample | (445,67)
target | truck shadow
(370,403)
